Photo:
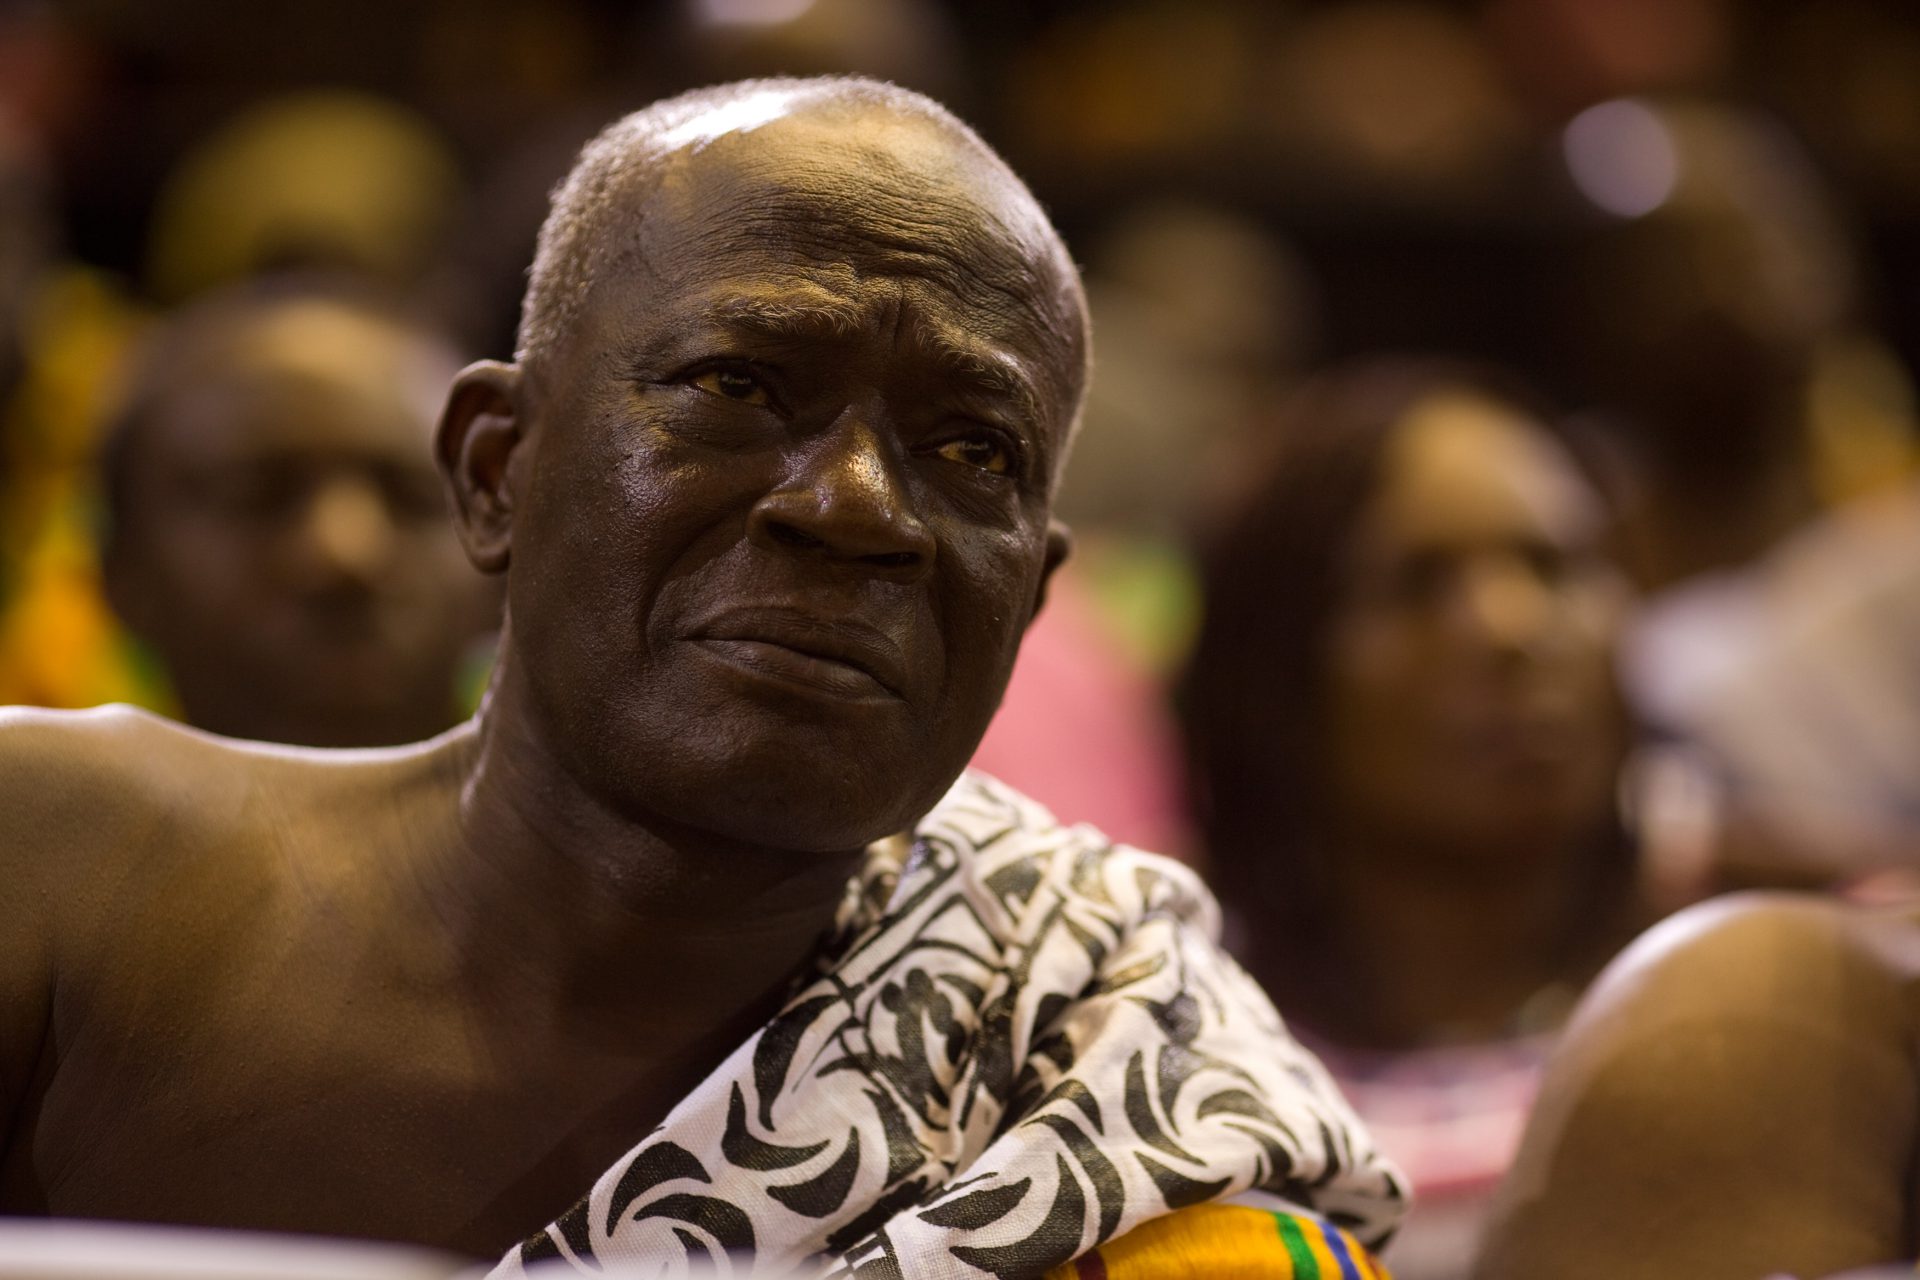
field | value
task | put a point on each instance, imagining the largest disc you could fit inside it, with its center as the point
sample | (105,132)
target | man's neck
(561,903)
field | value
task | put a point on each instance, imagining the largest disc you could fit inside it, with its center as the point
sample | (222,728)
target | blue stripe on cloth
(1337,1246)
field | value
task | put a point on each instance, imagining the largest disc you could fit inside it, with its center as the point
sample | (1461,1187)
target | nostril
(787,535)
(893,559)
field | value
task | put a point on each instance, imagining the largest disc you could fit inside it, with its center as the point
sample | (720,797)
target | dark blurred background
(1412,154)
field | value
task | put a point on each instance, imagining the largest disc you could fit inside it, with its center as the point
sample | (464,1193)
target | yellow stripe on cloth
(1227,1242)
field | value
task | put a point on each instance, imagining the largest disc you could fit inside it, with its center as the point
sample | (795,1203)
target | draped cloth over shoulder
(1021,1042)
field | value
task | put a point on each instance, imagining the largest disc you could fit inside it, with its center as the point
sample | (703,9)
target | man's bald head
(589,230)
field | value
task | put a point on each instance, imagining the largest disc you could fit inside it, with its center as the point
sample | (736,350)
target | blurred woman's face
(1470,700)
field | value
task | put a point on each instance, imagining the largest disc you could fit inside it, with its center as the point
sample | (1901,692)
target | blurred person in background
(277,533)
(1814,723)
(1407,753)
(1737,1097)
(1765,438)
(323,181)
(1709,299)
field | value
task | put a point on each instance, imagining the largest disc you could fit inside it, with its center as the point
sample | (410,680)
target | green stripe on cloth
(1305,1266)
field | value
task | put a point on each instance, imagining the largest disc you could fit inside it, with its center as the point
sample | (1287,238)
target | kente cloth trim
(1212,1241)
(1021,1041)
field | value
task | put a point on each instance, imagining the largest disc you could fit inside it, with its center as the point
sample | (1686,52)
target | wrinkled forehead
(864,190)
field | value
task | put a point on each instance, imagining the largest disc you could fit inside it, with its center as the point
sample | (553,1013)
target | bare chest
(298,1093)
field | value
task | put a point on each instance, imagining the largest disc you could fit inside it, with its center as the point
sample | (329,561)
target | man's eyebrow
(996,372)
(793,316)
(799,316)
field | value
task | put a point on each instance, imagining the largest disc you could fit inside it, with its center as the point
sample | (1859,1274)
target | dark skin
(764,592)
(1738,1097)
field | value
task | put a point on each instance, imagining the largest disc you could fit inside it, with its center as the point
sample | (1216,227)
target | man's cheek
(982,638)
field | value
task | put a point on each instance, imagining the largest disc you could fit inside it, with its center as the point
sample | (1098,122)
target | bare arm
(69,798)
(1737,1097)
(29,764)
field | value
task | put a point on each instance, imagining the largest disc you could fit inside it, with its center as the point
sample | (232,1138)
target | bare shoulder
(58,768)
(1736,1096)
(98,807)
(119,785)
(138,856)
(1788,954)
(75,780)
(83,796)
(35,742)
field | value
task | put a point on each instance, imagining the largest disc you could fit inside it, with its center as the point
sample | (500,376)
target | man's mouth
(790,646)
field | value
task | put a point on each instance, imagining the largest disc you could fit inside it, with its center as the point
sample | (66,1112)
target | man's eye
(981,451)
(733,384)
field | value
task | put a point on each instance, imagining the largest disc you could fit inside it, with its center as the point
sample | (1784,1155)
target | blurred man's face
(1471,700)
(287,548)
(787,511)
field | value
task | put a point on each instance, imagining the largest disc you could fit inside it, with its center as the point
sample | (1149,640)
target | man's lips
(836,656)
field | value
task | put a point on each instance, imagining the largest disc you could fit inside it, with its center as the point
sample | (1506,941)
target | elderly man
(692,929)
(279,538)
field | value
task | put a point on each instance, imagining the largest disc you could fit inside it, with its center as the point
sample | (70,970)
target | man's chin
(822,775)
(804,811)
(810,828)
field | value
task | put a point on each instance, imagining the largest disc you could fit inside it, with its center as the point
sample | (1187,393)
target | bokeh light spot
(1622,157)
(750,13)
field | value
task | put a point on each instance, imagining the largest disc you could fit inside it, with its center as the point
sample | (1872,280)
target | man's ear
(482,425)
(1059,545)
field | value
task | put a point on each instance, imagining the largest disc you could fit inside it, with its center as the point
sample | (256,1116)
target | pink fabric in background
(1085,732)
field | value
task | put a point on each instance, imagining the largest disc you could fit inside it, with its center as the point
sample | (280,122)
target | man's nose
(845,497)
(347,534)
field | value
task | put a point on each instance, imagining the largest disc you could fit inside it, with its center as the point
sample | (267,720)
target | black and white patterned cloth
(1022,1041)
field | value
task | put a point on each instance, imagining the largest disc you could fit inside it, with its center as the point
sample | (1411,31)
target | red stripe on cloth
(1090,1266)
